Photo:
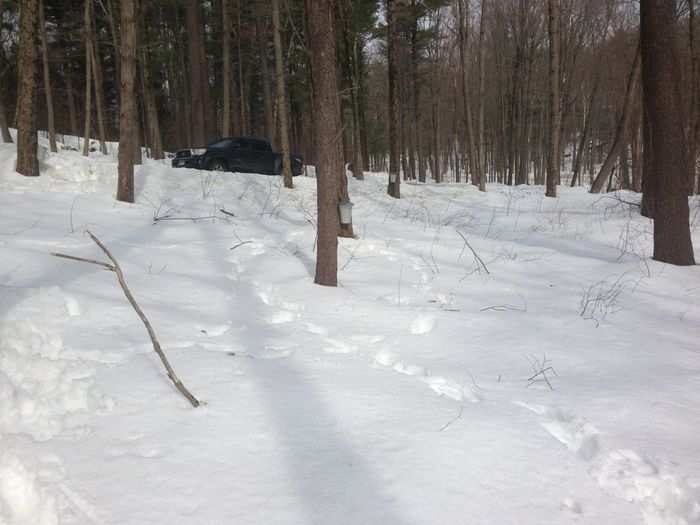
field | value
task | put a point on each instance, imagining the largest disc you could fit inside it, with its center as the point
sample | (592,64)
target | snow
(417,392)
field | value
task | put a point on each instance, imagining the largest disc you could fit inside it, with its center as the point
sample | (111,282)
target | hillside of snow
(497,358)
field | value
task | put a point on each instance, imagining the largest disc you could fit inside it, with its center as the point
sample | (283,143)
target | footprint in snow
(423,324)
(441,385)
(275,352)
(316,329)
(335,346)
(579,436)
(282,317)
(72,306)
(663,497)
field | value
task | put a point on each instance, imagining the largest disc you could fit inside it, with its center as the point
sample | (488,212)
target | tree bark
(88,81)
(27,161)
(260,29)
(99,84)
(282,113)
(669,170)
(394,185)
(622,126)
(227,73)
(153,121)
(472,153)
(47,79)
(553,158)
(482,90)
(128,130)
(198,70)
(327,133)
(4,128)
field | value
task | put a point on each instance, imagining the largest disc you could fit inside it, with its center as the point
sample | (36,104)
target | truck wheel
(217,165)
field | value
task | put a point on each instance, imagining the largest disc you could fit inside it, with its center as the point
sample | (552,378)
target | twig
(472,249)
(105,265)
(156,345)
(458,416)
(230,214)
(240,244)
(168,218)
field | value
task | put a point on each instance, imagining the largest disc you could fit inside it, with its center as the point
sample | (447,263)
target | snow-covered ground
(401,397)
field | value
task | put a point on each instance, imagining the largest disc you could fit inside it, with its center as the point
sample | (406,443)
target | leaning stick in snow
(472,249)
(114,267)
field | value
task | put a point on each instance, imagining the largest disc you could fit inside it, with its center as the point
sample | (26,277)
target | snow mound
(24,500)
(42,392)
(664,499)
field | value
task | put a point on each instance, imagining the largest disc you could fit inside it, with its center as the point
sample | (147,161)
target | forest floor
(497,358)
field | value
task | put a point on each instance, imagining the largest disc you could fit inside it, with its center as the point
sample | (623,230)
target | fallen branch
(240,244)
(476,255)
(114,267)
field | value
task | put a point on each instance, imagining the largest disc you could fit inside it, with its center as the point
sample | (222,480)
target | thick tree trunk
(669,171)
(27,161)
(47,79)
(327,132)
(4,127)
(260,29)
(198,72)
(281,98)
(70,94)
(128,130)
(394,184)
(88,81)
(227,73)
(472,153)
(553,158)
(152,119)
(482,91)
(622,126)
(99,85)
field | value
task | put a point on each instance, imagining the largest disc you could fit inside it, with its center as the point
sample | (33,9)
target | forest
(507,91)
(454,281)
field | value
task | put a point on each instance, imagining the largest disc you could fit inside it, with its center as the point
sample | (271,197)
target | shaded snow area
(497,358)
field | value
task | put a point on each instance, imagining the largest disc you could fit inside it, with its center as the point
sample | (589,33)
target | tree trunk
(553,159)
(394,185)
(482,90)
(128,131)
(4,128)
(585,135)
(622,126)
(227,73)
(70,94)
(260,29)
(282,110)
(99,85)
(327,132)
(153,122)
(27,161)
(198,72)
(463,13)
(47,79)
(669,171)
(88,81)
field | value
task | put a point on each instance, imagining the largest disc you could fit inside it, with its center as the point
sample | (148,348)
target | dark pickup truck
(243,154)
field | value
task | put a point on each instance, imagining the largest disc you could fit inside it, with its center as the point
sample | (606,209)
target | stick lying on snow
(114,267)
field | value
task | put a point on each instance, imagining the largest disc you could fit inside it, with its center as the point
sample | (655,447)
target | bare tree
(27,161)
(622,126)
(394,185)
(327,134)
(553,156)
(47,79)
(281,98)
(667,175)
(127,108)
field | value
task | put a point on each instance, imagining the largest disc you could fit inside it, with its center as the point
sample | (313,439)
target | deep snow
(401,397)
